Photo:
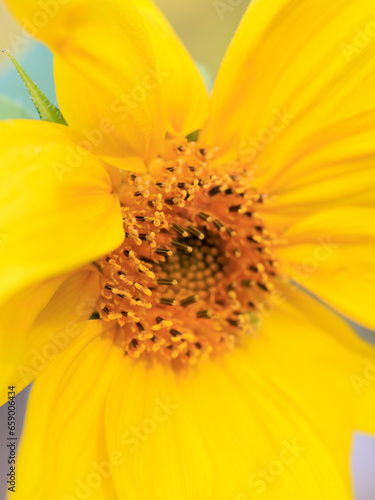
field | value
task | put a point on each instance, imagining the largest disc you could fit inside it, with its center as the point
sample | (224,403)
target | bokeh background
(207,35)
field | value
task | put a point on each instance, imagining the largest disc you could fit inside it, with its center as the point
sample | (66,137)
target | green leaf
(47,111)
(10,109)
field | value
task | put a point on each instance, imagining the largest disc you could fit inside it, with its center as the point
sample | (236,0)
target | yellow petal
(331,253)
(183,87)
(17,316)
(57,205)
(158,436)
(44,320)
(314,358)
(63,451)
(274,418)
(334,167)
(293,70)
(107,81)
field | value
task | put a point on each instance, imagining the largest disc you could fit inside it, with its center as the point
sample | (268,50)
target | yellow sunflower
(205,371)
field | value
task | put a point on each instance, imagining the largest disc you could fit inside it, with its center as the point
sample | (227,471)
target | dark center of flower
(195,262)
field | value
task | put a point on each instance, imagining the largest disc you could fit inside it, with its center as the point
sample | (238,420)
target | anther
(167,281)
(254,239)
(204,314)
(174,332)
(195,232)
(262,286)
(189,300)
(164,251)
(168,301)
(180,230)
(171,201)
(205,217)
(182,246)
(247,283)
(214,191)
(234,208)
(219,226)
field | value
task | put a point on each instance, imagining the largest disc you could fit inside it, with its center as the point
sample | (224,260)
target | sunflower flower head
(150,270)
(195,261)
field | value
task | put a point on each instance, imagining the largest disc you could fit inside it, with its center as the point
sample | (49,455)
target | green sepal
(193,136)
(47,111)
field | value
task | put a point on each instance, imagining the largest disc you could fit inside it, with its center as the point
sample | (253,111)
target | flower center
(195,262)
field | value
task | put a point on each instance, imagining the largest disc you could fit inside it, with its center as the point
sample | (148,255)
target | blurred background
(206,30)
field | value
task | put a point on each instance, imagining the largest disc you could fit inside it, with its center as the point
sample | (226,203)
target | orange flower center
(195,261)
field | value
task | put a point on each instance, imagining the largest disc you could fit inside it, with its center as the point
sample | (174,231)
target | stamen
(189,300)
(164,251)
(195,232)
(180,230)
(182,246)
(167,281)
(167,301)
(205,217)
(204,314)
